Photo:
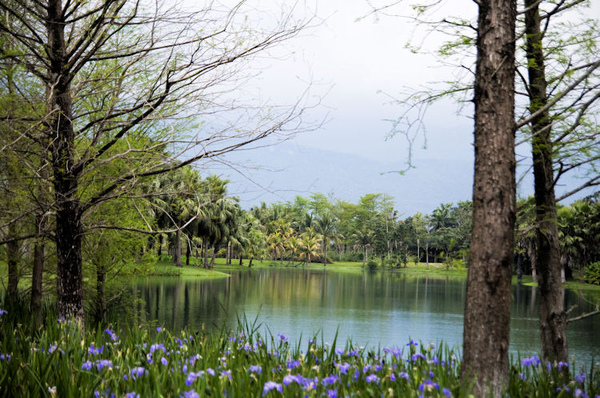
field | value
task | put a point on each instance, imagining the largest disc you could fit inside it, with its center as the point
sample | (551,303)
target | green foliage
(592,273)
(372,264)
(455,263)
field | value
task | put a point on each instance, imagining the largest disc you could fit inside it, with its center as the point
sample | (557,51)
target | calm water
(379,308)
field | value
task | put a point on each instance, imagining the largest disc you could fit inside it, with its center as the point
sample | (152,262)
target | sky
(357,63)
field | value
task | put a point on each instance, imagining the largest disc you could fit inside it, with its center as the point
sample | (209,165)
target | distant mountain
(281,172)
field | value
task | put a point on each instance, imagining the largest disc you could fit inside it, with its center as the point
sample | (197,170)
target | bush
(372,264)
(591,273)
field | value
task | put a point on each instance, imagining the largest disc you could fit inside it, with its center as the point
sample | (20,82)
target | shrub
(372,264)
(591,273)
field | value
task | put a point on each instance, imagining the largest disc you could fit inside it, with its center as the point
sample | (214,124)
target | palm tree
(579,232)
(326,226)
(309,245)
(177,203)
(364,239)
(293,246)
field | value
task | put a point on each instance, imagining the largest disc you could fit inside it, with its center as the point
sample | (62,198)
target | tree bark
(188,252)
(160,246)
(12,259)
(228,254)
(325,251)
(38,272)
(68,210)
(487,305)
(177,248)
(100,293)
(553,325)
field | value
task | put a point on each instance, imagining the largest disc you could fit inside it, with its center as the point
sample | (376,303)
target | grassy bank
(344,266)
(167,268)
(60,360)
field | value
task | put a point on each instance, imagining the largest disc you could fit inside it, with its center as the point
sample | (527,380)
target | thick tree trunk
(487,305)
(68,255)
(553,325)
(68,211)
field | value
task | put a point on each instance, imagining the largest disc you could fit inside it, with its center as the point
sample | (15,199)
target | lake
(372,308)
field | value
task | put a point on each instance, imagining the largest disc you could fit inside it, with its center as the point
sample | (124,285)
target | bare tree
(487,305)
(129,87)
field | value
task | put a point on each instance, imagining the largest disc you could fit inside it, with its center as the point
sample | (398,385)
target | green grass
(345,266)
(167,268)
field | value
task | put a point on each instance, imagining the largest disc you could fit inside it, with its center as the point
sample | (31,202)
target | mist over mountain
(279,173)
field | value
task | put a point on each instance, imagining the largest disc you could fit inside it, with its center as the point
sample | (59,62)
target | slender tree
(553,325)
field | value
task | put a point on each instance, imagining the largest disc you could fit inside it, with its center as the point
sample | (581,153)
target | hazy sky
(356,62)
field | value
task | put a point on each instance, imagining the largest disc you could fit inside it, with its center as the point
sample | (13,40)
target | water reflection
(373,308)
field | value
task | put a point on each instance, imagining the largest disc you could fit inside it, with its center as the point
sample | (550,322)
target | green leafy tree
(110,71)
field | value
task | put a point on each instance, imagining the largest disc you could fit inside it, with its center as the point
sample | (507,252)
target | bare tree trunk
(325,251)
(38,272)
(100,293)
(69,261)
(228,254)
(205,247)
(533,258)
(66,176)
(487,304)
(553,325)
(188,251)
(160,246)
(12,259)
(177,249)
(214,255)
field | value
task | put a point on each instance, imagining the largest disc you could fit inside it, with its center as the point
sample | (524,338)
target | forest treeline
(185,218)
